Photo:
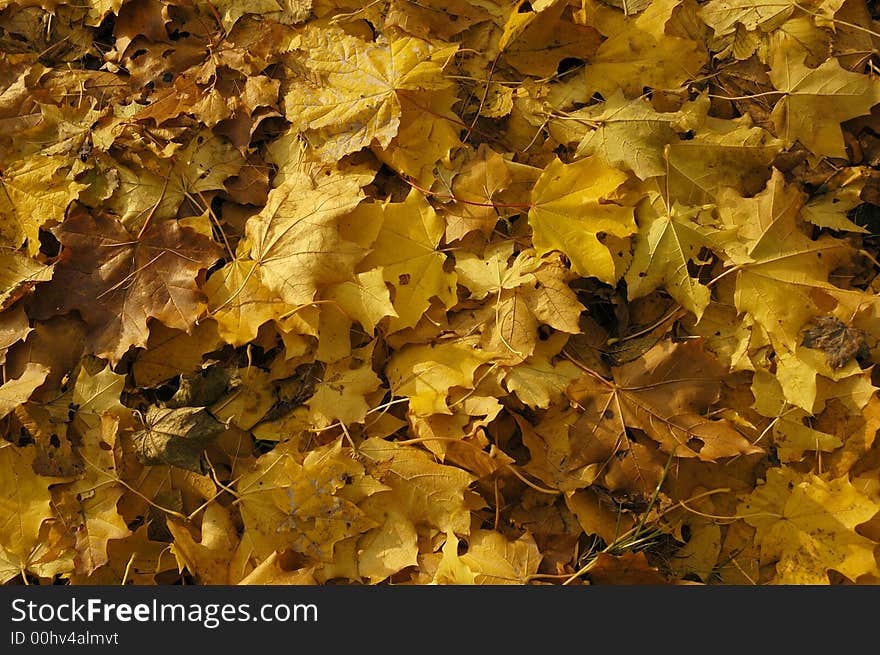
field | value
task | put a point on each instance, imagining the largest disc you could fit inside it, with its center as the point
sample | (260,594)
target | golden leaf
(571,207)
(360,88)
(805,526)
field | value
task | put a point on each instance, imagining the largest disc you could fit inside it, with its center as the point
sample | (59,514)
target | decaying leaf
(840,342)
(118,281)
(630,568)
(176,436)
(667,393)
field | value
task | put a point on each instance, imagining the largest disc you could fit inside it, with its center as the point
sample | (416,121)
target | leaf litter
(553,293)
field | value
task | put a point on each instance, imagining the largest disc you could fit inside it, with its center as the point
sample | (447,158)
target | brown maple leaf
(667,394)
(625,569)
(839,341)
(176,436)
(117,281)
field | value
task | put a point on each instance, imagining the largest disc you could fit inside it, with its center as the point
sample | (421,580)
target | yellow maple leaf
(630,134)
(208,559)
(295,240)
(364,299)
(538,380)
(439,292)
(24,505)
(723,16)
(269,572)
(492,273)
(14,327)
(546,39)
(157,184)
(832,208)
(451,569)
(97,391)
(248,402)
(560,458)
(16,391)
(479,180)
(817,100)
(170,352)
(341,393)
(425,491)
(642,54)
(89,505)
(406,250)
(597,517)
(669,239)
(519,17)
(571,208)
(357,99)
(783,272)
(289,501)
(806,526)
(519,295)
(136,559)
(699,556)
(792,436)
(239,303)
(496,560)
(804,34)
(295,162)
(34,191)
(426,373)
(230,11)
(424,139)
(724,154)
(392,545)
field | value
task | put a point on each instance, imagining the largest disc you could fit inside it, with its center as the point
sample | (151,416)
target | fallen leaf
(667,393)
(816,100)
(133,278)
(24,505)
(366,100)
(805,526)
(406,249)
(571,208)
(626,569)
(295,239)
(176,436)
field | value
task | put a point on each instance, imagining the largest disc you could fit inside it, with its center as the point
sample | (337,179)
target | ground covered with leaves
(439,291)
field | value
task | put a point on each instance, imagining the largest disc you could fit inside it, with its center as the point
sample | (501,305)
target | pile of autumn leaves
(552,292)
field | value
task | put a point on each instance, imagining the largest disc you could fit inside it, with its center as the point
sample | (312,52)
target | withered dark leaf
(626,569)
(840,342)
(176,437)
(668,394)
(204,387)
(46,424)
(117,281)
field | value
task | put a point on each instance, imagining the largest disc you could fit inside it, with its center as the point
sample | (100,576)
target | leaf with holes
(667,393)
(118,281)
